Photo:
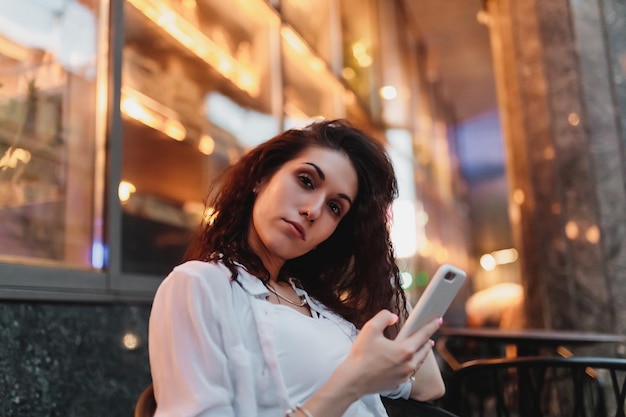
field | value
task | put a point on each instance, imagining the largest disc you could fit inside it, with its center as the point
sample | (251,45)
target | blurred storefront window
(315,22)
(359,42)
(311,91)
(118,116)
(50,130)
(194,75)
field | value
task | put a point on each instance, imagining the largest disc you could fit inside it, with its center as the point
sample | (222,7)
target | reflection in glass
(48,81)
(311,91)
(313,20)
(197,92)
(359,49)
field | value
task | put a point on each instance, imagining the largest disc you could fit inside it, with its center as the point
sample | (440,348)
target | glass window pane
(395,90)
(197,91)
(311,90)
(312,20)
(359,49)
(48,138)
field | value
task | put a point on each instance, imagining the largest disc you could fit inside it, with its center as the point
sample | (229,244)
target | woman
(290,294)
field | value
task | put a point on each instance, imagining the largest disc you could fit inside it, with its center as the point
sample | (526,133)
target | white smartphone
(435,300)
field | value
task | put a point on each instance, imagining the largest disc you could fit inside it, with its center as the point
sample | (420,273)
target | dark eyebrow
(323,177)
(318,169)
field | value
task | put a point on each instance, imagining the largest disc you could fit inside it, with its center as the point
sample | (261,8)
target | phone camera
(449,276)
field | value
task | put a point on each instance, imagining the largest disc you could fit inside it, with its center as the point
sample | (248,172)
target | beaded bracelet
(298,407)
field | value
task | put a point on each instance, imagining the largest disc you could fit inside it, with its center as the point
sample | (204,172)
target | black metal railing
(538,386)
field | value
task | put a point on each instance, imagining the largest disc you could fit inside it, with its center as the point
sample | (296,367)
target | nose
(313,209)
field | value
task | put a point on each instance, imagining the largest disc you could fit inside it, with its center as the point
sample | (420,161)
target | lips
(298,229)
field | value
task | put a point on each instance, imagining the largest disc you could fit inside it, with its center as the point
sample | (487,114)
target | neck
(272,263)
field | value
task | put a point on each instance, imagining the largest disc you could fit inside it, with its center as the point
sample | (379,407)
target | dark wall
(70,360)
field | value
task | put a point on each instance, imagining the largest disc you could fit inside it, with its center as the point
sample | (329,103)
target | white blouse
(219,348)
(308,350)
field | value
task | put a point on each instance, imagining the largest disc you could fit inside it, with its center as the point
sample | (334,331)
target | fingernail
(432,342)
(440,321)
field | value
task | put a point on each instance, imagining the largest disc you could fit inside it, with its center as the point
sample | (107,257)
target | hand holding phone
(435,300)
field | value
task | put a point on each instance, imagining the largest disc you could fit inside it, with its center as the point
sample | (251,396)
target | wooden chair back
(146,403)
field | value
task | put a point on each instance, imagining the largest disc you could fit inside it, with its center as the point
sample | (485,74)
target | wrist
(335,396)
(298,411)
(345,381)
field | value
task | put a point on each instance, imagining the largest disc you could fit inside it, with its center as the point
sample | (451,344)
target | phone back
(436,298)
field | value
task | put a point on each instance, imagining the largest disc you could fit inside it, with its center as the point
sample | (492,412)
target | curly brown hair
(353,272)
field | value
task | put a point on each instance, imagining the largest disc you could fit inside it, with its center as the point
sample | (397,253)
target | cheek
(263,202)
(260,213)
(266,206)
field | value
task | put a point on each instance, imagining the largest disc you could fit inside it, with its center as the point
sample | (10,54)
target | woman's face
(301,205)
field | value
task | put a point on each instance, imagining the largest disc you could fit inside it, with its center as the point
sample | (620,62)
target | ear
(259,185)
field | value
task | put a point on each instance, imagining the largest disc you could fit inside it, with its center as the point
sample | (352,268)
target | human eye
(335,208)
(306,180)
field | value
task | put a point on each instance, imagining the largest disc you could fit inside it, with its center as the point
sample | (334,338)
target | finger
(420,357)
(422,353)
(382,320)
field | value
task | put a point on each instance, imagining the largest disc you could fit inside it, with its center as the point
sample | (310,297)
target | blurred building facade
(560,69)
(117,116)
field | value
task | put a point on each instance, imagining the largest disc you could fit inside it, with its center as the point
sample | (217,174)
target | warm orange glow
(359,50)
(195,41)
(441,255)
(151,113)
(348,73)
(426,248)
(388,92)
(14,155)
(548,153)
(209,215)
(131,107)
(206,145)
(174,129)
(125,190)
(571,230)
(130,341)
(300,47)
(593,234)
(488,262)
(518,197)
(365,62)
(293,39)
(295,112)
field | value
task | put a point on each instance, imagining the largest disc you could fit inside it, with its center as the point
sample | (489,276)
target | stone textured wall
(70,360)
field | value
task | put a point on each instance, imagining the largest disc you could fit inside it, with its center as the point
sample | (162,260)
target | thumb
(382,320)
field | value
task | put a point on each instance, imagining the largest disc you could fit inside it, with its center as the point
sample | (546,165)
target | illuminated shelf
(151,113)
(190,37)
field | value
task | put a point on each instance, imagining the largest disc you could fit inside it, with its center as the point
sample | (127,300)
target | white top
(308,350)
(214,346)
